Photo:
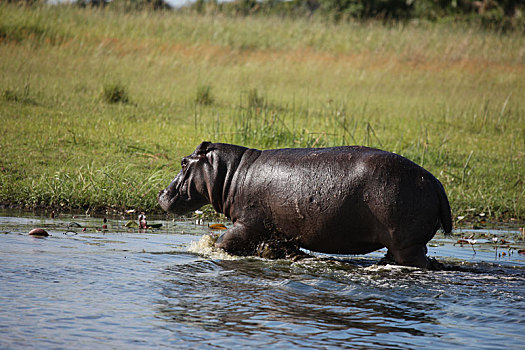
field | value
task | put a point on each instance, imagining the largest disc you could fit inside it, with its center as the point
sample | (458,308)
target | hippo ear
(204,148)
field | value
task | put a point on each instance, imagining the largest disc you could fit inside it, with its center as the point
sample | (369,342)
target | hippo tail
(445,216)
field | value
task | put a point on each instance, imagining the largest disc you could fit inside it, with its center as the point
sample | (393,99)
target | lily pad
(132,224)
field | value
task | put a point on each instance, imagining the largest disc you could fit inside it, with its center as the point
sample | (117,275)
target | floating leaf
(217,227)
(131,224)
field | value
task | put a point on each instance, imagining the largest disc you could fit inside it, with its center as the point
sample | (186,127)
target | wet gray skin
(340,200)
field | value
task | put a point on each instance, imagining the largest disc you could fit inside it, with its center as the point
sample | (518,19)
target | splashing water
(205,246)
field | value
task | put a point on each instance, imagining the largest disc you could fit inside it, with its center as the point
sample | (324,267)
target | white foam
(206,246)
(391,268)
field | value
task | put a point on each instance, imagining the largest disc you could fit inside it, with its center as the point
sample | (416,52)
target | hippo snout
(161,194)
(164,198)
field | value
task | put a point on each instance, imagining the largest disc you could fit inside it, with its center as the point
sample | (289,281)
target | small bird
(142,221)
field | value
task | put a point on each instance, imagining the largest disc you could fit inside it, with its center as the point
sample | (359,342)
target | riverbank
(97,107)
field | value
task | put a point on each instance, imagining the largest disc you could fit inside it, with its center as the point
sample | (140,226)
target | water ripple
(120,289)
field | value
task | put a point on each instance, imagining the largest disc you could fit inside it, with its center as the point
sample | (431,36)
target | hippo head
(192,187)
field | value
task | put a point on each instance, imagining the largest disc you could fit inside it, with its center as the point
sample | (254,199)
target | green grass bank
(97,107)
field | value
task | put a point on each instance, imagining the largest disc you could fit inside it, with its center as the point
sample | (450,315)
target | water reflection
(120,289)
(253,297)
(316,302)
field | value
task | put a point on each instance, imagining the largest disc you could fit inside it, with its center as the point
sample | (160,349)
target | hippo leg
(238,240)
(415,255)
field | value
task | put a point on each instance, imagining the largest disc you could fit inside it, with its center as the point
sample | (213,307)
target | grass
(204,95)
(115,93)
(444,95)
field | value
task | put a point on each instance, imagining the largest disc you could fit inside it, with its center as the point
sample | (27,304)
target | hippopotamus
(336,200)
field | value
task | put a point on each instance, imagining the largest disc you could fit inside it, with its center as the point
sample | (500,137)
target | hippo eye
(184,163)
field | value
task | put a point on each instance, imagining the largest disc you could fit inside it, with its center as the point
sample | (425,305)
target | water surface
(167,288)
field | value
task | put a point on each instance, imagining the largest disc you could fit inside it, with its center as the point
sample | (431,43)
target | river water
(167,288)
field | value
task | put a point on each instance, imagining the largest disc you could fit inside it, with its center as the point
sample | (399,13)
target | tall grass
(445,96)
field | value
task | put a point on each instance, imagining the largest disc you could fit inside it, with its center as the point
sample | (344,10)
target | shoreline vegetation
(98,105)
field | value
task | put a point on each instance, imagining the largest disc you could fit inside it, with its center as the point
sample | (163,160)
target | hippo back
(358,194)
